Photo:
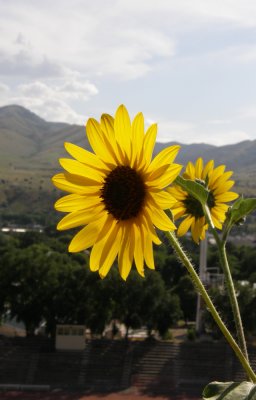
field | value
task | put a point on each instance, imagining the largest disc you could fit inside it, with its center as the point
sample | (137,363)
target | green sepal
(195,189)
(240,209)
(230,391)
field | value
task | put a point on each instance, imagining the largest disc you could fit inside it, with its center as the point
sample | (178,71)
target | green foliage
(247,301)
(160,309)
(240,209)
(41,281)
(191,334)
(237,214)
(230,391)
(188,297)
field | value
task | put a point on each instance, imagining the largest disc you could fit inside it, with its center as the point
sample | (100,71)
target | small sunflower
(216,180)
(118,193)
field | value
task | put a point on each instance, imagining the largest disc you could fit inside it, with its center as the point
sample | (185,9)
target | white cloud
(186,56)
(124,39)
(51,102)
(72,89)
(4,89)
(187,14)
(53,110)
(93,40)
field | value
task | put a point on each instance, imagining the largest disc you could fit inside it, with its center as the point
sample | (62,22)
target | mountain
(30,148)
(24,137)
(27,140)
(235,156)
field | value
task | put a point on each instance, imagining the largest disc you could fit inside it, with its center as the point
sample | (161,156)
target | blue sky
(188,65)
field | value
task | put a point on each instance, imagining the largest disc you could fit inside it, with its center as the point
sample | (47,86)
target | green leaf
(230,391)
(240,209)
(195,189)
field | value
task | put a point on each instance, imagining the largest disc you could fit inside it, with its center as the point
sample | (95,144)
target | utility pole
(202,275)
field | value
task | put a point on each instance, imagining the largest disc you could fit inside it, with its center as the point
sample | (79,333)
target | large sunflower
(117,193)
(216,180)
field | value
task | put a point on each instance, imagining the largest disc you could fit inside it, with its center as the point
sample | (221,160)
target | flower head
(118,193)
(216,180)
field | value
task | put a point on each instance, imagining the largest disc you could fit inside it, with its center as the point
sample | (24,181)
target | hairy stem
(200,287)
(230,286)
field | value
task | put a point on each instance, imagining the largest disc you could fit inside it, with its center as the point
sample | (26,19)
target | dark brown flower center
(123,193)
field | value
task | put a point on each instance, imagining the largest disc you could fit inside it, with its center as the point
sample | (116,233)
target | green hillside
(30,148)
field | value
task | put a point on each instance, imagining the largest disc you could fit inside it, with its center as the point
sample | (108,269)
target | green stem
(233,300)
(200,287)
(230,285)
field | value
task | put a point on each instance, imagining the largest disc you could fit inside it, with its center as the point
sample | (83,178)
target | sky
(189,65)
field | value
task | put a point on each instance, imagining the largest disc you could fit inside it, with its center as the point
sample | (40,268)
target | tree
(41,284)
(246,297)
(126,298)
(159,308)
(24,276)
(188,298)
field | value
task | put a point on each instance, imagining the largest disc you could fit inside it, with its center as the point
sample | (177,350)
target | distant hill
(30,148)
(25,137)
(235,156)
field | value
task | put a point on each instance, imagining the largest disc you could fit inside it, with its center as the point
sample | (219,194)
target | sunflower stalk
(200,287)
(221,244)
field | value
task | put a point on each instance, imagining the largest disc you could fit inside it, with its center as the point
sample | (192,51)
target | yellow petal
(207,169)
(99,142)
(147,249)
(78,218)
(163,199)
(199,168)
(138,249)
(89,186)
(185,225)
(79,169)
(223,178)
(216,222)
(205,227)
(196,230)
(160,219)
(137,137)
(85,157)
(190,171)
(178,212)
(220,207)
(95,136)
(97,249)
(87,236)
(149,142)
(109,252)
(218,215)
(122,125)
(107,126)
(224,197)
(223,187)
(215,174)
(68,183)
(126,252)
(164,158)
(167,178)
(75,202)
(177,192)
(146,221)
